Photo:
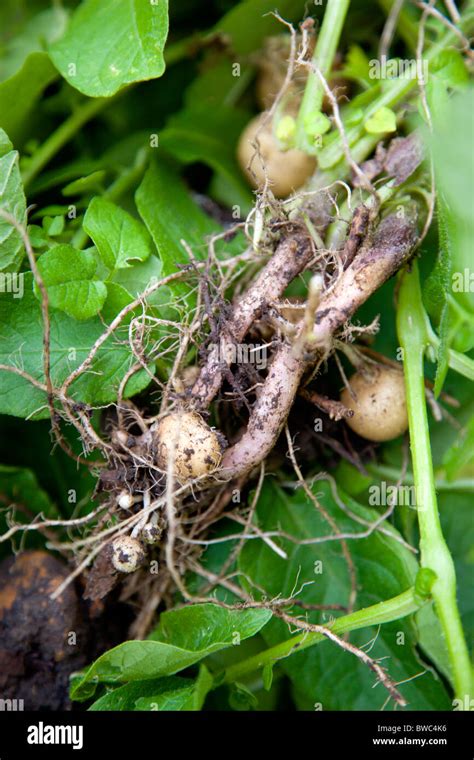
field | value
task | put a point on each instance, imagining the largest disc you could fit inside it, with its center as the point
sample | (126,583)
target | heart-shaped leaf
(68,276)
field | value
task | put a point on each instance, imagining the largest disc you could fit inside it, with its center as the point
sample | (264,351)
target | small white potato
(287,170)
(380,410)
(192,443)
(127,554)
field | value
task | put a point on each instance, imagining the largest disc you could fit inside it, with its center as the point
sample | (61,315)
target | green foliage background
(109,209)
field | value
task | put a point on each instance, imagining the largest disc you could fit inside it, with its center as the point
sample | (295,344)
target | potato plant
(236,355)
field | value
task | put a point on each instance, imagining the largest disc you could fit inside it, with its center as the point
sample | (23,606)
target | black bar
(133,736)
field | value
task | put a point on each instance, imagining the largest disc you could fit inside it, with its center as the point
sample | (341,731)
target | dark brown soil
(43,641)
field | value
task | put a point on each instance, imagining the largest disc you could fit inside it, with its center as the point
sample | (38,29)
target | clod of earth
(36,658)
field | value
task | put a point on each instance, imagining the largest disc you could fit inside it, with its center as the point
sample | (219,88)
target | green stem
(458,362)
(325,50)
(359,151)
(61,136)
(320,179)
(337,231)
(331,159)
(435,554)
(384,612)
(391,95)
(392,473)
(333,152)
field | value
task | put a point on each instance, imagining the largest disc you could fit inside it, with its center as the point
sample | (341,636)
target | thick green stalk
(434,550)
(384,612)
(325,50)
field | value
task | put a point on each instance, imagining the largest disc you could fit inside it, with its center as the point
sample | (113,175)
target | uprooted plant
(167,479)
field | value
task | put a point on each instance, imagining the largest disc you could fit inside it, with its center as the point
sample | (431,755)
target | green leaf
(75,170)
(209,626)
(454,168)
(183,637)
(117,298)
(38,236)
(241,698)
(5,143)
(13,201)
(217,85)
(19,486)
(108,45)
(251,21)
(383,120)
(132,282)
(138,278)
(350,479)
(442,365)
(285,129)
(31,37)
(447,71)
(458,529)
(316,123)
(210,135)
(357,66)
(55,209)
(202,687)
(437,285)
(20,94)
(22,499)
(431,639)
(91,183)
(384,568)
(458,459)
(171,216)
(436,289)
(190,699)
(21,346)
(68,276)
(267,676)
(448,293)
(172,693)
(53,225)
(120,239)
(169,693)
(449,66)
